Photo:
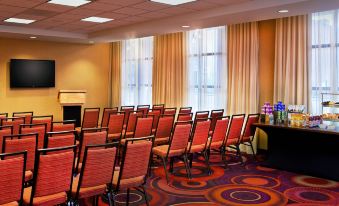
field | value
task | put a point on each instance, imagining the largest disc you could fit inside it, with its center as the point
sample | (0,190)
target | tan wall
(77,67)
(266,68)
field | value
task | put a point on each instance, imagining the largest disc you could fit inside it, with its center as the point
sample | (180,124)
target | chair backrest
(127,110)
(60,139)
(54,172)
(155,113)
(185,117)
(22,142)
(48,119)
(143,127)
(185,110)
(12,177)
(180,136)
(65,125)
(171,111)
(90,118)
(116,122)
(201,115)
(200,132)
(215,114)
(165,126)
(35,128)
(249,131)
(136,158)
(5,131)
(98,166)
(132,120)
(27,115)
(3,115)
(13,121)
(235,128)
(143,108)
(220,129)
(161,107)
(105,115)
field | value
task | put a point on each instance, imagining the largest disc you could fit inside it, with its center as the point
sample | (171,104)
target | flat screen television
(26,73)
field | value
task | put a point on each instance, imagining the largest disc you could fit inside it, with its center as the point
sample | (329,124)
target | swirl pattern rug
(248,184)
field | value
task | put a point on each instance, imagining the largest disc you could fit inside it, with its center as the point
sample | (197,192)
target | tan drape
(169,70)
(291,51)
(116,74)
(243,51)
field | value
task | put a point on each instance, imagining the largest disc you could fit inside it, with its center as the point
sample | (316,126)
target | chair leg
(239,154)
(112,196)
(96,200)
(190,160)
(188,170)
(145,194)
(165,168)
(127,199)
(109,198)
(223,157)
(171,164)
(254,155)
(207,162)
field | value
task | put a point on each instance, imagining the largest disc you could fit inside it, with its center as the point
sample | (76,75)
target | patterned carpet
(239,185)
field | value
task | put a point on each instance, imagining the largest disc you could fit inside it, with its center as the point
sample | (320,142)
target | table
(309,151)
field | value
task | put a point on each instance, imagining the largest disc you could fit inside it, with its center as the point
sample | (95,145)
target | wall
(266,68)
(78,66)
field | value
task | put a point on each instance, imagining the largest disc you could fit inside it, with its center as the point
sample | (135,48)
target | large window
(324,57)
(206,64)
(137,61)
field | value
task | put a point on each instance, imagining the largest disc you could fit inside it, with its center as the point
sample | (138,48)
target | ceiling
(137,18)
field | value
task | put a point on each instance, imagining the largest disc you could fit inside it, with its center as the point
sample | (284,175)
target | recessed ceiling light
(283,11)
(74,3)
(173,2)
(32,37)
(185,26)
(96,19)
(19,21)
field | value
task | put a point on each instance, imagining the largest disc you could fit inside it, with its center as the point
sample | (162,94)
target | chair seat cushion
(48,200)
(246,139)
(161,141)
(195,148)
(233,141)
(115,136)
(127,183)
(86,191)
(15,203)
(162,151)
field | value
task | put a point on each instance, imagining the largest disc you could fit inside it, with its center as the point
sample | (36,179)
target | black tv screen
(32,73)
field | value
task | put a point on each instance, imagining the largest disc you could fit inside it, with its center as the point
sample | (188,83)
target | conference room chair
(164,129)
(60,139)
(105,115)
(185,117)
(48,119)
(177,147)
(40,128)
(170,111)
(144,108)
(12,175)
(89,137)
(215,114)
(115,126)
(249,132)
(96,175)
(14,122)
(202,114)
(5,131)
(53,177)
(185,110)
(131,123)
(155,113)
(233,134)
(218,137)
(143,128)
(3,115)
(90,119)
(66,125)
(159,106)
(198,143)
(127,110)
(19,143)
(136,155)
(28,116)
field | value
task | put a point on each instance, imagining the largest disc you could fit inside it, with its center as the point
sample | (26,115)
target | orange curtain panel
(116,74)
(291,59)
(169,70)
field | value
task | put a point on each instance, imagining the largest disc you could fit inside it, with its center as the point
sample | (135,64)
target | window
(137,61)
(206,64)
(324,57)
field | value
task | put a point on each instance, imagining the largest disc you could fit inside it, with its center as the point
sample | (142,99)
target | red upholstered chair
(199,141)
(35,128)
(48,119)
(97,173)
(201,115)
(134,166)
(5,131)
(164,130)
(12,178)
(90,119)
(131,123)
(19,143)
(52,178)
(159,106)
(215,114)
(3,115)
(170,111)
(177,146)
(185,117)
(155,113)
(27,115)
(249,131)
(143,128)
(66,125)
(13,121)
(105,115)
(185,110)
(60,139)
(115,126)
(127,110)
(143,108)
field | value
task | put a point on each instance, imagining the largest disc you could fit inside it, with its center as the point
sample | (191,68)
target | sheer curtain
(325,56)
(136,74)
(206,64)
